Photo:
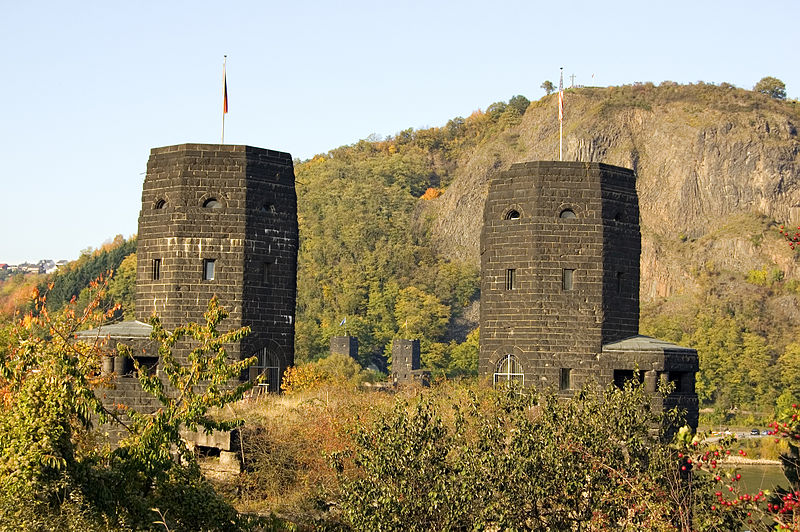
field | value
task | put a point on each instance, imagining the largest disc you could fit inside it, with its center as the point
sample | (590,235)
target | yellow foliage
(301,378)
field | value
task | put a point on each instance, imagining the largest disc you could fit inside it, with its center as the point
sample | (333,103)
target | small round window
(212,203)
(567,213)
(160,204)
(512,215)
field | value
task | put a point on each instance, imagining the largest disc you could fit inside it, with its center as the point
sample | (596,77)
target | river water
(762,477)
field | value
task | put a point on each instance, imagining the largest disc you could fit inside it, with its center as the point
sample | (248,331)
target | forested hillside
(117,256)
(390,227)
(389,230)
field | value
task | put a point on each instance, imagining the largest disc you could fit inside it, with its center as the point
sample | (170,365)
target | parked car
(755,432)
(765,432)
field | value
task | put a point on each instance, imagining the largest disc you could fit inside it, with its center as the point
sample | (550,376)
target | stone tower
(560,251)
(222,220)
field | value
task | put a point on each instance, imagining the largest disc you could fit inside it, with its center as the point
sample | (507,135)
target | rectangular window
(510,274)
(566,379)
(156,269)
(265,274)
(621,376)
(620,277)
(209,269)
(566,279)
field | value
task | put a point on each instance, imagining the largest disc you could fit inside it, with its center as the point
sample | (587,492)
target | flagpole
(561,116)
(224,97)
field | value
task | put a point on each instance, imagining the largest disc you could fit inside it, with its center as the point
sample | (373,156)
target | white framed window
(508,371)
(567,279)
(209,269)
(511,279)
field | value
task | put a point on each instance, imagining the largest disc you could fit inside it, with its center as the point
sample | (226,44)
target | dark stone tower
(406,363)
(345,345)
(560,254)
(222,220)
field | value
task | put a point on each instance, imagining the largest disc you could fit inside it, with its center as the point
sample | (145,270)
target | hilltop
(707,158)
(392,224)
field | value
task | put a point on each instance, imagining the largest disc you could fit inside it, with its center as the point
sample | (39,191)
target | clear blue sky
(89,87)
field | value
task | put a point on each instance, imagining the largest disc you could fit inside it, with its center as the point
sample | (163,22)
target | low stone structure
(345,345)
(406,363)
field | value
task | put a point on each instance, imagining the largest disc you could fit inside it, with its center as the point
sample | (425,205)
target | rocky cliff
(717,166)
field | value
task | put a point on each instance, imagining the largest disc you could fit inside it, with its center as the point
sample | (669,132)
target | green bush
(518,460)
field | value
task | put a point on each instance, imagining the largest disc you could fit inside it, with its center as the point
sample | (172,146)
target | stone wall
(221,220)
(345,345)
(560,268)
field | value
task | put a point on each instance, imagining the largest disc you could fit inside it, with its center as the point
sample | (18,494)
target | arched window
(160,204)
(568,214)
(512,215)
(269,363)
(212,203)
(509,370)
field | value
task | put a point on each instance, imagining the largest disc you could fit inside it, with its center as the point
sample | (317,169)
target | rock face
(715,167)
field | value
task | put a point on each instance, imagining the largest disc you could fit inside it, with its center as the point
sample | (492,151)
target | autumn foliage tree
(52,477)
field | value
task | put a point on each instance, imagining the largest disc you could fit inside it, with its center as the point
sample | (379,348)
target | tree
(52,477)
(772,87)
(420,314)
(122,286)
(520,103)
(548,87)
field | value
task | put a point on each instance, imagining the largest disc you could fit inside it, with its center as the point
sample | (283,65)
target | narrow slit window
(566,379)
(265,273)
(156,269)
(676,378)
(511,279)
(620,282)
(621,376)
(209,269)
(567,279)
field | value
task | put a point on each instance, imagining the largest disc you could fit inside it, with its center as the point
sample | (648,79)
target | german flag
(224,92)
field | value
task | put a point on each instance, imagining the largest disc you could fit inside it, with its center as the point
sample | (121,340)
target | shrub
(511,460)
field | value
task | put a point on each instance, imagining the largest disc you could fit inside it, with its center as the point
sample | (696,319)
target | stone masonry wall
(526,246)
(249,231)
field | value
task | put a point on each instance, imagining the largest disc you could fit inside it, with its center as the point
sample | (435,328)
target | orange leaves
(432,193)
